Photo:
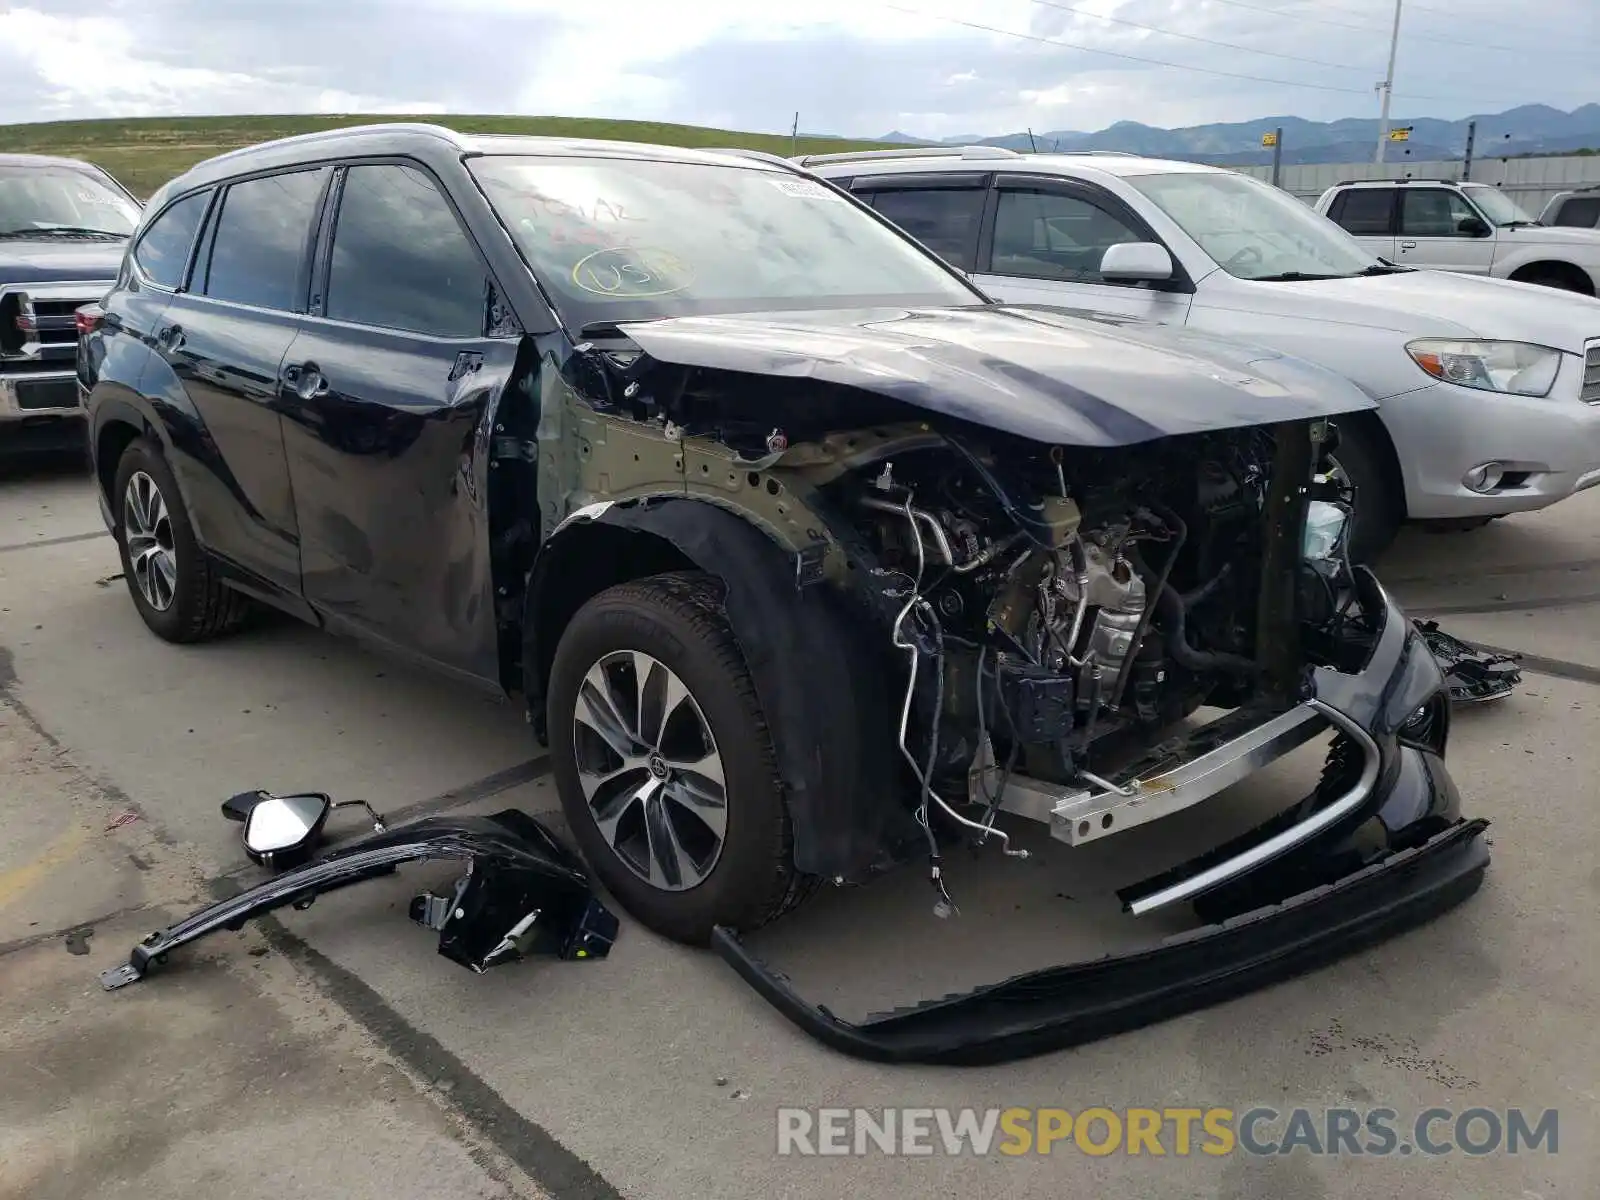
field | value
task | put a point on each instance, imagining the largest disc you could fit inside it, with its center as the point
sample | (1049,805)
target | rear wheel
(173,584)
(664,763)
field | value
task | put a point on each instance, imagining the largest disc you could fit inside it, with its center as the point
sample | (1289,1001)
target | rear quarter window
(163,251)
(1580,212)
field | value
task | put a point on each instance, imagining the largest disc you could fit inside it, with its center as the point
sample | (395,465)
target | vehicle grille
(34,328)
(35,394)
(1591,374)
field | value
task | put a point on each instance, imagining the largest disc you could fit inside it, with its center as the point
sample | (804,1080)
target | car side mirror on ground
(1473,226)
(1136,262)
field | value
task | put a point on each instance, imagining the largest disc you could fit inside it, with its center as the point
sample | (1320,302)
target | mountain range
(1529,129)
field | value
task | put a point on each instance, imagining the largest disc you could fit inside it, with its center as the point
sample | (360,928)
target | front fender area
(819,676)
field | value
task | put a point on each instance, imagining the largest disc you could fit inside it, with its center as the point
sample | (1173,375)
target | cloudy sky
(856,67)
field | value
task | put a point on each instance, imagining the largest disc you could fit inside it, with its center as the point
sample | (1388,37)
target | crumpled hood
(1439,304)
(1036,372)
(58,260)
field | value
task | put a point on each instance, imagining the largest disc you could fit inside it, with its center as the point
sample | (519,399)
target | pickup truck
(1473,228)
(63,227)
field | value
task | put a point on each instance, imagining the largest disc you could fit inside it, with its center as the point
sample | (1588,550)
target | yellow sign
(1269,139)
(1400,135)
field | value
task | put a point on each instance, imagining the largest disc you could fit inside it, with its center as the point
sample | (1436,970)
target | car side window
(259,250)
(1579,213)
(1054,235)
(1364,212)
(163,251)
(945,220)
(1432,212)
(401,259)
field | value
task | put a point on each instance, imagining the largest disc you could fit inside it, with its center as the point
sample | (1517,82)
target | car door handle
(305,380)
(467,363)
(170,338)
(1408,245)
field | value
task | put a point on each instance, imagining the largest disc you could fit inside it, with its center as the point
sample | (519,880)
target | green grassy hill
(146,152)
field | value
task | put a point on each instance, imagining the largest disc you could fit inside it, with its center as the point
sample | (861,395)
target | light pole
(1387,86)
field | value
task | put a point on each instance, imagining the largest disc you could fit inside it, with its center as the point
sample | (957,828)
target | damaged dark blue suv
(808,559)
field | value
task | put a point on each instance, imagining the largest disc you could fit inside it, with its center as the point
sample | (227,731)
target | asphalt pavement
(332,1052)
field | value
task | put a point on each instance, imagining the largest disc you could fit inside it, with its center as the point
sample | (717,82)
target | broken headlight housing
(1513,368)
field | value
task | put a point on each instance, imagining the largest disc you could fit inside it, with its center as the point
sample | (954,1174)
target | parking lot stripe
(65,539)
(556,1169)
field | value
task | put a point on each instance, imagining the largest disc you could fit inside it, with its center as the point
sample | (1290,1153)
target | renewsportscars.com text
(1179,1132)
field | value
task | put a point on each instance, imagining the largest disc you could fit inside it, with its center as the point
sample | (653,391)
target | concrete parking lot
(331,1052)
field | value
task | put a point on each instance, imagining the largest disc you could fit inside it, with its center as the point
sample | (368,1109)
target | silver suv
(1473,228)
(1489,391)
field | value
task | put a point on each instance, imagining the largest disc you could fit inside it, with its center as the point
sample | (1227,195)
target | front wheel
(664,762)
(1376,519)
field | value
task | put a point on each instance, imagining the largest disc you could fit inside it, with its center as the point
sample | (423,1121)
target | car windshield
(39,199)
(1252,229)
(1496,205)
(635,239)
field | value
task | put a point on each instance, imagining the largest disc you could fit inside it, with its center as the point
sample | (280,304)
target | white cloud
(855,67)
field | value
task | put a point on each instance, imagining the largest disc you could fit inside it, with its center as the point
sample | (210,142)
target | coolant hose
(1174,616)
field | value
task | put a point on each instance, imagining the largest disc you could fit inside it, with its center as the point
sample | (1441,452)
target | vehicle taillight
(88,318)
(26,323)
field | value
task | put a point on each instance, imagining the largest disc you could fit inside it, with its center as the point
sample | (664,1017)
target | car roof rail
(742,152)
(1408,179)
(808,160)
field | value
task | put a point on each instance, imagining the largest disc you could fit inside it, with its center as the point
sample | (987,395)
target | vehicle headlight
(1517,368)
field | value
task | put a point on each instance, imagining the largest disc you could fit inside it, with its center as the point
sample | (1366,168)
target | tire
(1573,281)
(174,585)
(749,878)
(1376,519)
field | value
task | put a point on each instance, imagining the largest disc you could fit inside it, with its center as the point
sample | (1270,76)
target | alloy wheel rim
(147,533)
(650,770)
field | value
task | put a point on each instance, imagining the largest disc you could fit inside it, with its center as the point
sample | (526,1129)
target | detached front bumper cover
(1068,1005)
(522,893)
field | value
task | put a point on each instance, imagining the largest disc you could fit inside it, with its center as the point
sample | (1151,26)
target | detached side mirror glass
(1136,262)
(280,831)
(1473,226)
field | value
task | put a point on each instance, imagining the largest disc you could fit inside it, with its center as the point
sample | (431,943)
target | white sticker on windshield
(808,189)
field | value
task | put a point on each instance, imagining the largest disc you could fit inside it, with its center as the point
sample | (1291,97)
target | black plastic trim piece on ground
(1080,1002)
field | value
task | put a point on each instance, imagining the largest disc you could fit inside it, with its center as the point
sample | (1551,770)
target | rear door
(943,211)
(390,383)
(1044,242)
(1368,215)
(1431,233)
(224,339)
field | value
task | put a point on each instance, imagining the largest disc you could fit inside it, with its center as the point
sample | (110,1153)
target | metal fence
(1529,181)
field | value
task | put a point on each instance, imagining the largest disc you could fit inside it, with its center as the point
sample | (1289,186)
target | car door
(942,211)
(390,380)
(1432,232)
(1368,215)
(224,339)
(1043,245)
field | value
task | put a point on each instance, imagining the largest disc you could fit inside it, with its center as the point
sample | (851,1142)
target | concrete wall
(1529,181)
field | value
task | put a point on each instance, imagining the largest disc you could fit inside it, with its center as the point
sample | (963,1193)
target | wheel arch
(118,421)
(1368,424)
(1580,280)
(829,713)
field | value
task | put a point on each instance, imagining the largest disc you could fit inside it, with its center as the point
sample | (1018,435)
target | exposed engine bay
(1061,605)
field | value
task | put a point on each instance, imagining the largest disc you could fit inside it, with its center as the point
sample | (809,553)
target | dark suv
(790,537)
(63,226)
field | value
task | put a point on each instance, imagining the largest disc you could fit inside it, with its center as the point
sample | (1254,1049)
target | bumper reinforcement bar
(1079,1002)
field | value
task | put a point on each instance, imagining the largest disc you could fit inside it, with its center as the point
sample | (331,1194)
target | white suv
(1469,227)
(1489,391)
